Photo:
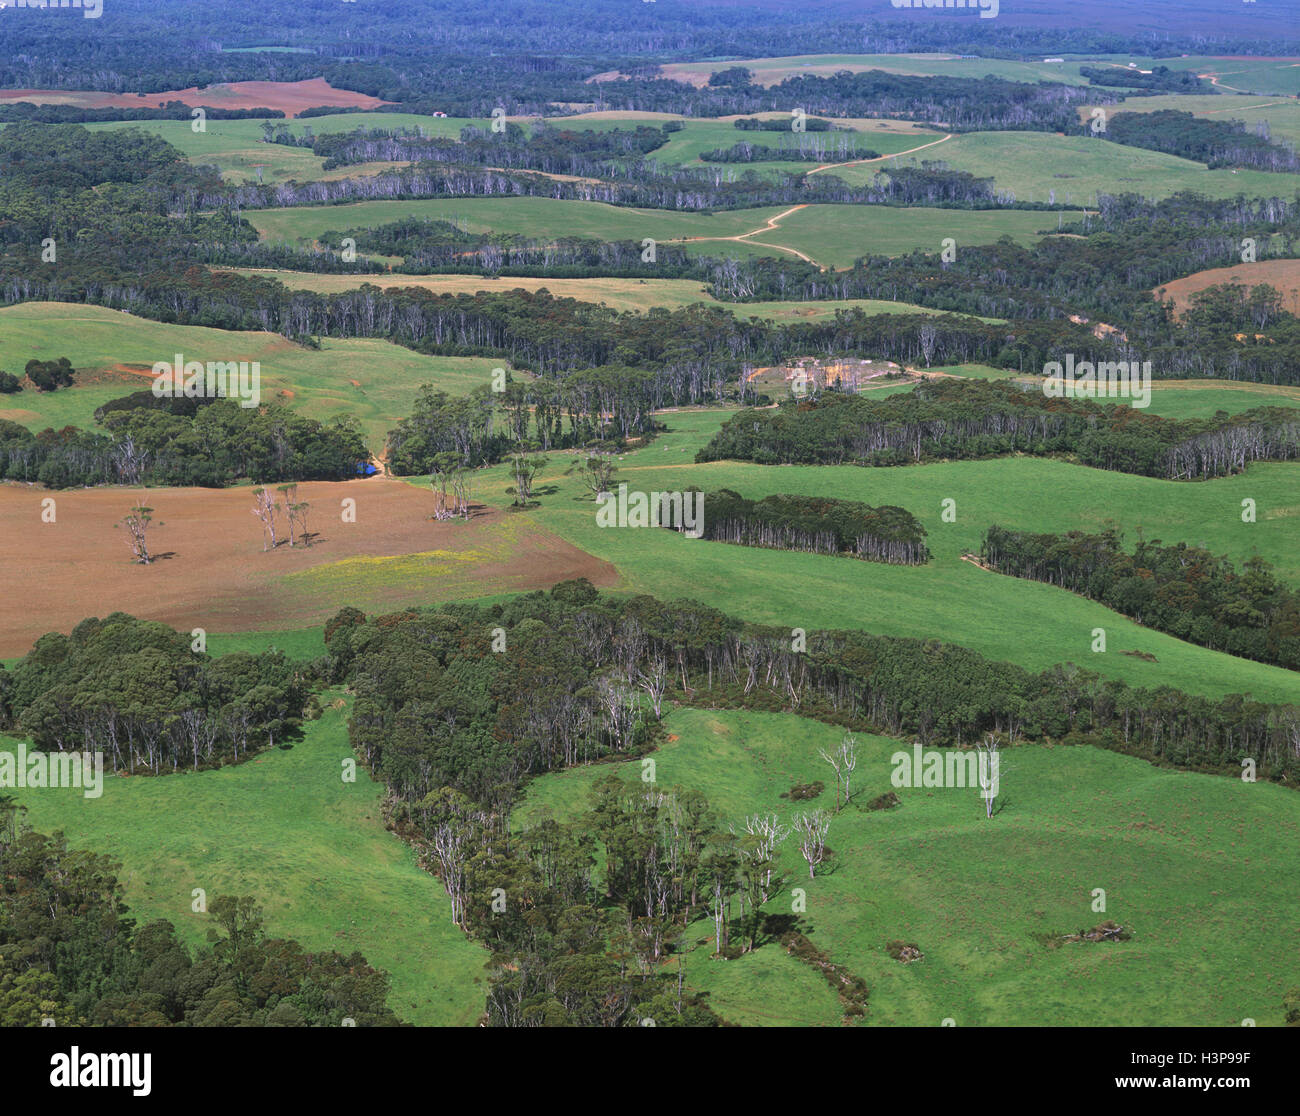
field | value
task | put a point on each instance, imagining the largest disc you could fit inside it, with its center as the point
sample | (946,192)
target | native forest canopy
(679,514)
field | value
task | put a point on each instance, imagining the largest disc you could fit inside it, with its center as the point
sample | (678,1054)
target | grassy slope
(619,294)
(833,235)
(1198,866)
(95,339)
(1030,164)
(946,599)
(312,849)
(1283,116)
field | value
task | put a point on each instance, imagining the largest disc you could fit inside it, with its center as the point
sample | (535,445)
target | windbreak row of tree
(209,442)
(71,957)
(136,691)
(1159,79)
(542,147)
(27,112)
(602,405)
(640,183)
(814,524)
(967,420)
(1216,143)
(1183,590)
(584,676)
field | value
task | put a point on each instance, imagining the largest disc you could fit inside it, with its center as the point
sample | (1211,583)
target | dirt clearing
(212,572)
(290,97)
(1284,275)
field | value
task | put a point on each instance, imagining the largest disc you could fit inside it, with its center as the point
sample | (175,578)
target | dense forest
(136,691)
(1159,79)
(442,55)
(213,445)
(963,420)
(814,524)
(1180,589)
(71,956)
(1216,143)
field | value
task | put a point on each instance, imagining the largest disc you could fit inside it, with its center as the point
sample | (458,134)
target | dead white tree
(652,680)
(137,523)
(264,507)
(842,761)
(768,833)
(989,763)
(130,460)
(449,850)
(927,335)
(812,829)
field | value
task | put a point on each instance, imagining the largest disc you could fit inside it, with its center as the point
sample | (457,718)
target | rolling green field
(1282,116)
(319,381)
(833,235)
(699,136)
(1040,167)
(980,897)
(1250,75)
(1234,75)
(235,147)
(948,598)
(310,848)
(619,294)
(770,71)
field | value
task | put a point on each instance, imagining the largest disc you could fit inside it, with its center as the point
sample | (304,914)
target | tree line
(1184,590)
(137,691)
(967,420)
(71,956)
(1216,143)
(815,525)
(210,443)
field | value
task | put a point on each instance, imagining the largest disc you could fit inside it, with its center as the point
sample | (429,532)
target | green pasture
(1198,867)
(1029,623)
(1072,170)
(315,382)
(285,828)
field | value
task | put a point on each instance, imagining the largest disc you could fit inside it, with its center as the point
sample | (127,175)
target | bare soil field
(1284,275)
(291,97)
(212,572)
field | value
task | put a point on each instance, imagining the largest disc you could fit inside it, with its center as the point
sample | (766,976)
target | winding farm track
(773,223)
(878,158)
(771,226)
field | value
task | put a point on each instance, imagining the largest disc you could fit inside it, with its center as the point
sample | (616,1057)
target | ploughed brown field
(212,572)
(291,97)
(1284,275)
